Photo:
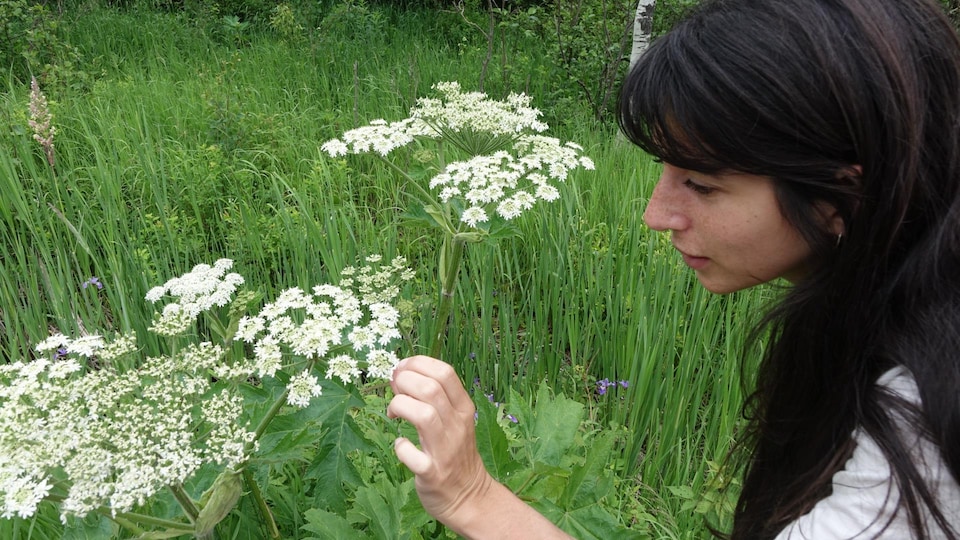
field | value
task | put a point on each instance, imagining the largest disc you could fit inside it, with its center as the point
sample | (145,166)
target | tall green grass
(186,150)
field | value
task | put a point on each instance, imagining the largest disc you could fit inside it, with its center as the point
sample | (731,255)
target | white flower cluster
(507,176)
(356,314)
(112,438)
(303,387)
(474,111)
(196,291)
(89,346)
(510,182)
(453,112)
(379,136)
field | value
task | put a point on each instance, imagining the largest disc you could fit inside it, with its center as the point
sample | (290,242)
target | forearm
(496,513)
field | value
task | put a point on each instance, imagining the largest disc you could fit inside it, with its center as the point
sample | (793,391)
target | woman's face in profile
(728,228)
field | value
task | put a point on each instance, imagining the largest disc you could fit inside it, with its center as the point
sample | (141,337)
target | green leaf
(491,440)
(382,519)
(591,522)
(439,218)
(288,438)
(555,426)
(329,526)
(413,516)
(499,228)
(331,466)
(683,492)
(585,485)
(92,527)
(417,215)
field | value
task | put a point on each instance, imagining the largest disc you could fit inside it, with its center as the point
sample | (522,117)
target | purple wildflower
(95,281)
(604,384)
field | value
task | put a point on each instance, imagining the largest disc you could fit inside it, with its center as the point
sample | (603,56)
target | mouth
(693,261)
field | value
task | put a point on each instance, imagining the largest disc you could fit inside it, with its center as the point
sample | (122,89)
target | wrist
(492,511)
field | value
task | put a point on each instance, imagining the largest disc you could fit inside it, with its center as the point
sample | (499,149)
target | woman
(817,141)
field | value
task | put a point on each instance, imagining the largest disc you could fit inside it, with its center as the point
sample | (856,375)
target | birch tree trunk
(642,29)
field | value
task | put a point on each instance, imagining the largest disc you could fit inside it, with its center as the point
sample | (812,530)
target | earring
(839,237)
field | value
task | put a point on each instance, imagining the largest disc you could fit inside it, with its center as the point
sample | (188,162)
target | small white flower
(344,367)
(173,321)
(22,496)
(63,368)
(248,328)
(335,148)
(85,345)
(52,343)
(548,193)
(119,347)
(302,388)
(473,216)
(155,294)
(269,356)
(380,364)
(362,338)
(509,209)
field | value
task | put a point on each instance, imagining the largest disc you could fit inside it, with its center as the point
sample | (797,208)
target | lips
(693,261)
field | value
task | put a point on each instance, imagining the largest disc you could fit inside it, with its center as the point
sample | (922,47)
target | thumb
(411,456)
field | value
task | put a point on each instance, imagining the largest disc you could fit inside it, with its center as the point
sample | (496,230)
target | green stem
(449,268)
(131,517)
(267,418)
(426,194)
(185,502)
(126,524)
(262,504)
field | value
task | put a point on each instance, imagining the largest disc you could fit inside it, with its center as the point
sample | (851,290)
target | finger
(443,374)
(425,389)
(409,455)
(422,415)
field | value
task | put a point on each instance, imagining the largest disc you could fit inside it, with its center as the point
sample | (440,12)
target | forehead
(680,143)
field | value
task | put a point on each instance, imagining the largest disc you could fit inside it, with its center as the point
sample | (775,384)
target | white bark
(642,29)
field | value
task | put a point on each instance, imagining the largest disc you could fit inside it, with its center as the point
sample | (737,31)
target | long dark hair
(854,104)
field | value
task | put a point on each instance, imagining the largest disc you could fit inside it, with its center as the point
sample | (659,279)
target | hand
(450,476)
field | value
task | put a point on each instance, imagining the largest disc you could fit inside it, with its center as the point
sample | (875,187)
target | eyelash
(702,190)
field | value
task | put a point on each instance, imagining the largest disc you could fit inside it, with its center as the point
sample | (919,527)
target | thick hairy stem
(127,520)
(185,502)
(453,254)
(261,504)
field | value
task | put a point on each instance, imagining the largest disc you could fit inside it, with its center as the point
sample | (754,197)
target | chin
(725,288)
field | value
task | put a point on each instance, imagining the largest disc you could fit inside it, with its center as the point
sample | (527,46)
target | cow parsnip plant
(490,164)
(99,425)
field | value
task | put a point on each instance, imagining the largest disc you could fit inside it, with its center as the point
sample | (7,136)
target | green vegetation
(186,134)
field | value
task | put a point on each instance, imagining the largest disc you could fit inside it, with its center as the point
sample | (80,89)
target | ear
(831,219)
(849,178)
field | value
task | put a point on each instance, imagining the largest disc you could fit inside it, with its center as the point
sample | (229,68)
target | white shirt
(865,495)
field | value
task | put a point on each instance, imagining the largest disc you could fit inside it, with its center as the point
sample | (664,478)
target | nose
(664,211)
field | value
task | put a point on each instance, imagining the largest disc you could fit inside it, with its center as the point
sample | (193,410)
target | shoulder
(865,498)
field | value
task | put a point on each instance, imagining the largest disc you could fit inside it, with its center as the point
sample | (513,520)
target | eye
(698,188)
